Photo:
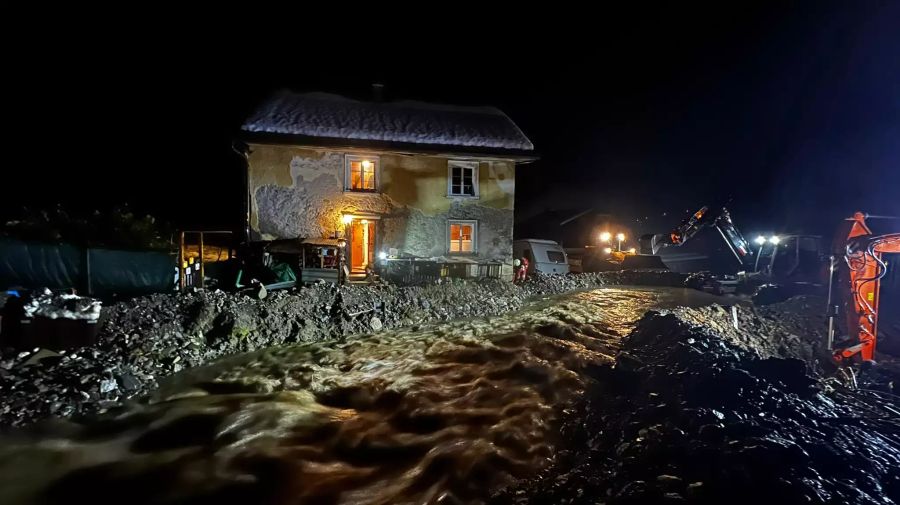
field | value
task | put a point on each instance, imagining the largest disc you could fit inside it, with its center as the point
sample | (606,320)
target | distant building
(407,179)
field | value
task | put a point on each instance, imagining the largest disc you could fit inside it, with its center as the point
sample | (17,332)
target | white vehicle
(545,256)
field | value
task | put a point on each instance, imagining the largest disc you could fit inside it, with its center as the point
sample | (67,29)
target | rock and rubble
(698,411)
(63,306)
(701,403)
(145,339)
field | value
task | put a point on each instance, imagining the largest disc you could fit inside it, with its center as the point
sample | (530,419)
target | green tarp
(96,272)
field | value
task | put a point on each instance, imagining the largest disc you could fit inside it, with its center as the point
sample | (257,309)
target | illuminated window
(361,173)
(463,236)
(462,178)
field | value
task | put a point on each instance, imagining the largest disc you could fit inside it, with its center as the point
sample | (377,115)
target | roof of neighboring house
(333,117)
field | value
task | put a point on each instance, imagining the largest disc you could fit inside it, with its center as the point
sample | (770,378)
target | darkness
(790,114)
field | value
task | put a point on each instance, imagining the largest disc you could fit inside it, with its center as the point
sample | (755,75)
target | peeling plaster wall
(298,192)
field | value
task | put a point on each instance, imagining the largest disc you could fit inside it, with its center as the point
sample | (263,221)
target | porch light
(382,255)
(346,219)
(604,237)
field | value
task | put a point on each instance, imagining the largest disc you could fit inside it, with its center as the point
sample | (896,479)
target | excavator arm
(862,257)
(737,244)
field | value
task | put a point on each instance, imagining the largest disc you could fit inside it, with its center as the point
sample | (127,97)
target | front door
(362,244)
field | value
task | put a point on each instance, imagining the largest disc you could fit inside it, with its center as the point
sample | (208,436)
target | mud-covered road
(576,399)
(445,413)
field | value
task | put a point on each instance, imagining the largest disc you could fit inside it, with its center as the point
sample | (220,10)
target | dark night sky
(791,112)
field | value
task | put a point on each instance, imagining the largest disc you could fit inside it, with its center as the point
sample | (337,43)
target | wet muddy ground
(442,413)
(143,340)
(575,399)
(690,416)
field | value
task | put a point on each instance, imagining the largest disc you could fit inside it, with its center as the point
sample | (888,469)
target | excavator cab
(735,240)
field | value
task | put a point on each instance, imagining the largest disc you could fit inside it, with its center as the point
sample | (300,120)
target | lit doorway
(362,245)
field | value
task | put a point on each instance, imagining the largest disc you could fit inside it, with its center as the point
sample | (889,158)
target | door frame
(348,233)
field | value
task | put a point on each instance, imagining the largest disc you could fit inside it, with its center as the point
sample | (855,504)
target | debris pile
(695,411)
(62,306)
(795,328)
(541,284)
(145,339)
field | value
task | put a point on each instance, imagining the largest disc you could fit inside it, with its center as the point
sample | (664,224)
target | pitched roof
(327,116)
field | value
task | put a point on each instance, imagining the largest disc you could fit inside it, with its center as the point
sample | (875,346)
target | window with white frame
(463,236)
(462,178)
(361,173)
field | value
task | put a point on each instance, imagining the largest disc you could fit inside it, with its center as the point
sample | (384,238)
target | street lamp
(775,239)
(621,238)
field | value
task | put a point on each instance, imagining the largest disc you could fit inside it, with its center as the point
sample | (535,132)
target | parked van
(545,256)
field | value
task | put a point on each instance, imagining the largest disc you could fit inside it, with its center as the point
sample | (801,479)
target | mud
(795,328)
(439,414)
(581,398)
(146,339)
(709,414)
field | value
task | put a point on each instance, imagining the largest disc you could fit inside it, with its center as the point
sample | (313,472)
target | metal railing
(418,271)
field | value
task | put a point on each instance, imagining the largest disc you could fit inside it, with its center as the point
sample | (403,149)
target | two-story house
(399,179)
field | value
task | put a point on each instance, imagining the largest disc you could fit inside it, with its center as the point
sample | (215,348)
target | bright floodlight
(760,240)
(604,237)
(607,250)
(620,237)
(775,239)
(382,255)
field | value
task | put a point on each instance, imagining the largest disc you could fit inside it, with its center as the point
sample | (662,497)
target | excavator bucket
(643,262)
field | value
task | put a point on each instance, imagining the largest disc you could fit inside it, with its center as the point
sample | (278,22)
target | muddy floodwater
(446,413)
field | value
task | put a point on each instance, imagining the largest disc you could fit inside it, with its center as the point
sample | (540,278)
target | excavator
(796,259)
(858,265)
(854,273)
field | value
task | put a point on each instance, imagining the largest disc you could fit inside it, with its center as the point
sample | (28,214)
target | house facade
(395,179)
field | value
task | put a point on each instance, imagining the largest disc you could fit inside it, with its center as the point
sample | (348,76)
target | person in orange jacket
(521,270)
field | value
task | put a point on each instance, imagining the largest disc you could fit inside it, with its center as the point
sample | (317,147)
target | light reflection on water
(437,414)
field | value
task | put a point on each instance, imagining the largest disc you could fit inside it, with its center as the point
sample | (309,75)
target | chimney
(378,91)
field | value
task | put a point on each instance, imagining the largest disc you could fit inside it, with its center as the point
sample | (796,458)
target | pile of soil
(795,328)
(695,411)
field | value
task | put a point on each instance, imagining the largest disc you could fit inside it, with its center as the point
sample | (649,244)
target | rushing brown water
(438,414)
